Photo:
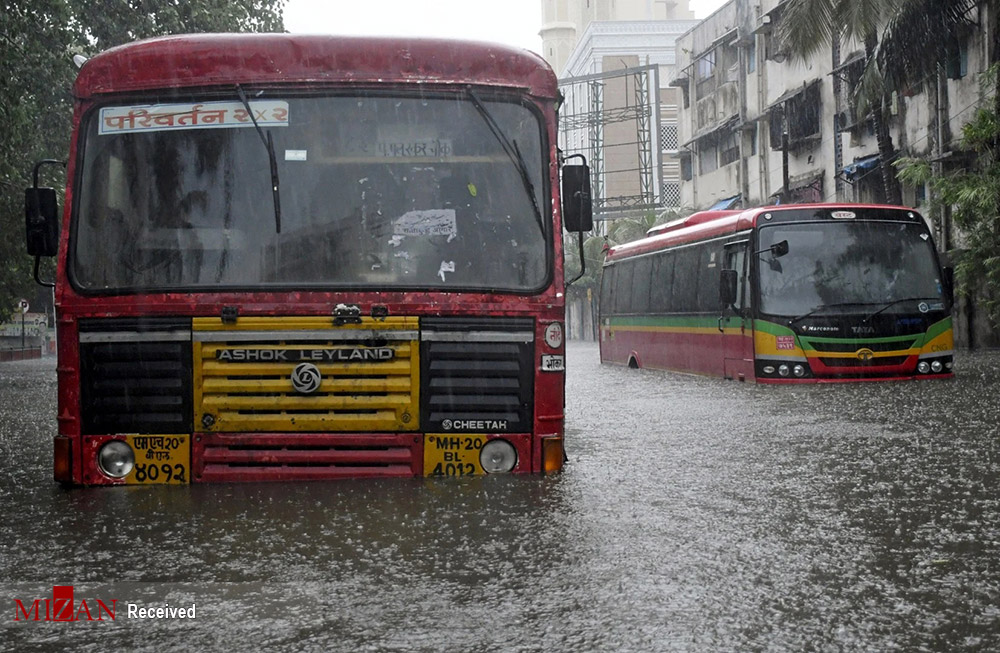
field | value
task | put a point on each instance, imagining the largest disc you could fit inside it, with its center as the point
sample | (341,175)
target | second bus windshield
(847,266)
(376,191)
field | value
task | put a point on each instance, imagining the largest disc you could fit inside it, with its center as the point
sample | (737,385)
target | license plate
(453,455)
(160,459)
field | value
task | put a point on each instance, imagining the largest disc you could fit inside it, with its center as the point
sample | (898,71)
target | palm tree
(917,36)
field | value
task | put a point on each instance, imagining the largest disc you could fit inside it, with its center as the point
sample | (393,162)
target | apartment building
(758,126)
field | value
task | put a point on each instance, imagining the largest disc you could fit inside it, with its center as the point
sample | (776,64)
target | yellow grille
(243,374)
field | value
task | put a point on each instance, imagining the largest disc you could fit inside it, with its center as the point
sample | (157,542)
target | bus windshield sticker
(433,222)
(296,155)
(204,115)
(446,266)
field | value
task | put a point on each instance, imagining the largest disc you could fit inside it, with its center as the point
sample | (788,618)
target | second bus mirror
(41,221)
(727,287)
(577,205)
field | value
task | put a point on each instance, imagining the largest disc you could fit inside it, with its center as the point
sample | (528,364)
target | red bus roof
(712,224)
(199,60)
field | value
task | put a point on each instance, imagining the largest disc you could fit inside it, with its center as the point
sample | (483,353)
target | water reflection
(695,514)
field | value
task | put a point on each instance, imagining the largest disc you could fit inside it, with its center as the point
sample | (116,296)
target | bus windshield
(376,191)
(848,266)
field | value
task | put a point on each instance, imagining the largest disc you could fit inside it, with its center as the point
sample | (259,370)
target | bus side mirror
(577,208)
(41,221)
(727,287)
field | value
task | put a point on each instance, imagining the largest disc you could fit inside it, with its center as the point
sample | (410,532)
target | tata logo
(865,355)
(306,378)
(863,330)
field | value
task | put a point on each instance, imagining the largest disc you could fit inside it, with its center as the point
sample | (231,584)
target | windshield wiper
(898,301)
(272,159)
(512,151)
(826,306)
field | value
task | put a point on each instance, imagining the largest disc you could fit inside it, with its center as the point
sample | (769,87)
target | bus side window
(641,277)
(663,278)
(607,296)
(623,288)
(736,260)
(684,297)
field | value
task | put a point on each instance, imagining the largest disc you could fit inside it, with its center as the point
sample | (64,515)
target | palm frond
(919,37)
(807,25)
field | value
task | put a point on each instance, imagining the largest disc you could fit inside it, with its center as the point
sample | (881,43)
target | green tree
(973,195)
(905,43)
(38,39)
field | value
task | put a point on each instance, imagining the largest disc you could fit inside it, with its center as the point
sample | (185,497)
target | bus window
(736,260)
(640,285)
(623,288)
(662,280)
(709,264)
(685,293)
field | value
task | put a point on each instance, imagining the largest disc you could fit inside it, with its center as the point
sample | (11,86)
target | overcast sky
(514,22)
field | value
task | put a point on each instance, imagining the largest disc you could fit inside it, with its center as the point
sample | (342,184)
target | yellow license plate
(453,455)
(160,459)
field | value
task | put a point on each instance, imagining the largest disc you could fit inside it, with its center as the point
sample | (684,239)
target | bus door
(734,318)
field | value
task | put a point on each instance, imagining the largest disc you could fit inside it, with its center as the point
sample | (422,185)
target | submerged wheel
(633,363)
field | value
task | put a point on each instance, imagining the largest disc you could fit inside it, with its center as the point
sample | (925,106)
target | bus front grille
(861,364)
(821,346)
(135,376)
(309,456)
(250,380)
(478,374)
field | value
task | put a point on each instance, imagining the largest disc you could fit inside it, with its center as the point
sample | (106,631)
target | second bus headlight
(498,457)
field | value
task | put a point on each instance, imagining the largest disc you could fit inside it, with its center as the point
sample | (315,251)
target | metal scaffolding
(614,119)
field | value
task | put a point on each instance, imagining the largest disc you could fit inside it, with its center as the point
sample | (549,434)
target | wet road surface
(694,514)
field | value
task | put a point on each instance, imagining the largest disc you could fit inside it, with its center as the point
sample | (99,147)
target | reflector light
(554,335)
(62,460)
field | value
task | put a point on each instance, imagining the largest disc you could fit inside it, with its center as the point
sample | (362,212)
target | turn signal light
(553,454)
(62,459)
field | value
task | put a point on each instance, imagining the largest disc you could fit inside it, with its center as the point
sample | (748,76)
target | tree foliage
(973,195)
(905,42)
(38,39)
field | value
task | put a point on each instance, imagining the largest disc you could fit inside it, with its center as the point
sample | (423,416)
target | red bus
(782,294)
(289,257)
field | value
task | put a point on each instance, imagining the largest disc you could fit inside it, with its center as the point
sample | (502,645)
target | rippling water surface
(695,514)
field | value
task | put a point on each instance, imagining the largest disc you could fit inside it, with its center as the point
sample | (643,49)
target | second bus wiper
(892,303)
(272,159)
(826,306)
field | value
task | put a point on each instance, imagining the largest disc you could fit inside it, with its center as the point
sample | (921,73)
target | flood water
(694,514)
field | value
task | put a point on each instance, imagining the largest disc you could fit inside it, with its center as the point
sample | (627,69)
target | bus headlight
(783,370)
(799,371)
(923,367)
(116,459)
(936,366)
(498,457)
